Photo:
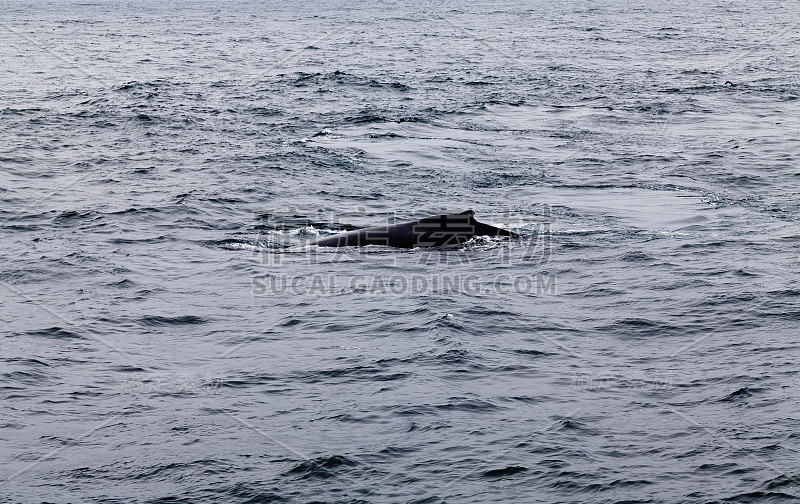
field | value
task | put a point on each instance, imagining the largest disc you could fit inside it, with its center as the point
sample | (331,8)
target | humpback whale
(436,231)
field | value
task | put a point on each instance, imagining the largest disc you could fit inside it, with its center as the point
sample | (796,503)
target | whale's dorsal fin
(454,217)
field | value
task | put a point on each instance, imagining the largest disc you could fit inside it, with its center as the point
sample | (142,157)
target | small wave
(321,467)
(641,327)
(129,241)
(128,369)
(54,333)
(235,244)
(637,256)
(356,374)
(471,405)
(783,481)
(158,320)
(139,85)
(506,471)
(71,216)
(245,380)
(28,361)
(571,424)
(759,497)
(362,119)
(739,395)
(250,493)
(532,352)
(28,377)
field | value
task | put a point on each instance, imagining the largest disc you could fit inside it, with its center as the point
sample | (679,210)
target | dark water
(638,345)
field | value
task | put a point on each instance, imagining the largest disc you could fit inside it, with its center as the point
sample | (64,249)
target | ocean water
(167,336)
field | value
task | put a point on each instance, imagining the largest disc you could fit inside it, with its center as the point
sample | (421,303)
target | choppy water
(638,345)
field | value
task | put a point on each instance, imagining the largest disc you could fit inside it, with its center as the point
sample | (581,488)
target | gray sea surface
(168,336)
